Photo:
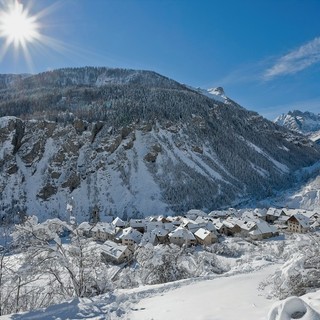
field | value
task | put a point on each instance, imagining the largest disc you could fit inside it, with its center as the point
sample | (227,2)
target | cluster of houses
(120,238)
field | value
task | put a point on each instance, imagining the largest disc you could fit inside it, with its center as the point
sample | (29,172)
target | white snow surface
(220,299)
(307,197)
(233,297)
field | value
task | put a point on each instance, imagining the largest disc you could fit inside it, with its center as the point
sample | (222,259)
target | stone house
(205,237)
(298,223)
(115,252)
(129,237)
(103,231)
(182,236)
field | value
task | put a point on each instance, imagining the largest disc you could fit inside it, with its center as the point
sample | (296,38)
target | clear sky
(265,53)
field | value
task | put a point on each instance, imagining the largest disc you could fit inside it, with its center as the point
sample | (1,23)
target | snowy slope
(224,298)
(237,297)
(135,143)
(255,274)
(307,197)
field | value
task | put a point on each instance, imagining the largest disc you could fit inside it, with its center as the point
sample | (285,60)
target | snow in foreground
(226,298)
(235,297)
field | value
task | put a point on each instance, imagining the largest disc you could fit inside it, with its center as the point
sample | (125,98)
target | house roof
(84,226)
(263,227)
(217,224)
(117,222)
(203,233)
(113,249)
(183,233)
(302,220)
(131,234)
(246,225)
(274,212)
(308,213)
(160,232)
(218,213)
(290,212)
(104,227)
(138,223)
(231,222)
(153,224)
(283,218)
(211,227)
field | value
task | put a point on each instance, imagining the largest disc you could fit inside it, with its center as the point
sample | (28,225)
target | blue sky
(266,54)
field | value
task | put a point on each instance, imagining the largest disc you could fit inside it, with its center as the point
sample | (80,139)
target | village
(120,238)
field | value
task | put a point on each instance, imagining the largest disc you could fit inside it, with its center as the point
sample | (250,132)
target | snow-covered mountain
(134,143)
(307,123)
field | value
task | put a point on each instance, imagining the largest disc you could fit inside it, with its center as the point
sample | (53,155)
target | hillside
(134,143)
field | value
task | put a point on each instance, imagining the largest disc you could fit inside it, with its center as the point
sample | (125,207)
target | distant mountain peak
(217,94)
(304,122)
(218,91)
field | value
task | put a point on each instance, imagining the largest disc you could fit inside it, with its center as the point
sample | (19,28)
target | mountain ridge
(135,147)
(306,122)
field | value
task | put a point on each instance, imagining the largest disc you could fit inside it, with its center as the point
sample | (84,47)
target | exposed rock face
(151,146)
(151,157)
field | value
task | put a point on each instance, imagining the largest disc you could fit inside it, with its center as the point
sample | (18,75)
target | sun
(17,26)
(22,23)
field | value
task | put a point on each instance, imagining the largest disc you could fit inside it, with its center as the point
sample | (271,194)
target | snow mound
(293,308)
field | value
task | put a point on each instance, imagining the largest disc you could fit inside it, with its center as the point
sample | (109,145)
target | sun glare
(21,32)
(17,26)
(18,29)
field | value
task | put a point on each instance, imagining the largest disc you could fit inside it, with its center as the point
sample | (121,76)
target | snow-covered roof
(153,224)
(283,218)
(274,212)
(231,222)
(217,224)
(303,220)
(210,226)
(203,233)
(117,222)
(249,216)
(84,226)
(308,213)
(131,234)
(200,219)
(264,227)
(190,224)
(183,233)
(104,227)
(113,249)
(218,213)
(138,223)
(246,225)
(290,212)
(160,232)
(260,212)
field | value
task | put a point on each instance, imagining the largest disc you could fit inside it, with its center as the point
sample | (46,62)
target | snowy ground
(241,293)
(226,298)
(223,298)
